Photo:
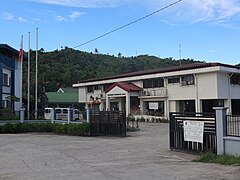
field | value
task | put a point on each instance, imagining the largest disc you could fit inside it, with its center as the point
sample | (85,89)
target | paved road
(143,155)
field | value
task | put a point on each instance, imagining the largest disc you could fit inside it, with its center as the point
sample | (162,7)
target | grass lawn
(219,159)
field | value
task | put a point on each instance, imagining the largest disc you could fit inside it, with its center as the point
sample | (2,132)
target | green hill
(62,68)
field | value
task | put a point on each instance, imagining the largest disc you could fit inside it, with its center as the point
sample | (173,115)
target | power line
(133,22)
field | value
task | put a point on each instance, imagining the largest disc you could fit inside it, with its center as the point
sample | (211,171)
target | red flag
(20,51)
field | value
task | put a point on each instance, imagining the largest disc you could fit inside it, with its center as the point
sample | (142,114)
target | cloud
(75,14)
(8,16)
(213,50)
(169,23)
(217,11)
(61,18)
(84,3)
(72,16)
(21,19)
(11,17)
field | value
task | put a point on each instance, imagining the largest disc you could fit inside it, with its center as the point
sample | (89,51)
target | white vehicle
(62,114)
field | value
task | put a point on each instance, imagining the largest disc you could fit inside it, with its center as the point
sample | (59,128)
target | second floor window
(235,79)
(187,80)
(5,79)
(90,89)
(153,83)
(173,80)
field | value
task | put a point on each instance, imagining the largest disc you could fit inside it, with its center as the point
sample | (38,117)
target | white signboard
(193,131)
(153,105)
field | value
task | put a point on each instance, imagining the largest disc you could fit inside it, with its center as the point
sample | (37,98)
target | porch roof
(126,86)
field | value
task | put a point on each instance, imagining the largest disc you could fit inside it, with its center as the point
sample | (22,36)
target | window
(106,86)
(187,80)
(5,79)
(97,87)
(90,89)
(58,111)
(65,111)
(172,80)
(235,79)
(153,83)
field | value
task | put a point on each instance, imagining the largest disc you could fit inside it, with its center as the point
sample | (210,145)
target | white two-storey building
(188,88)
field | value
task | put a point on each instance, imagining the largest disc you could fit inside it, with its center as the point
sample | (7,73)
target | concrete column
(101,106)
(107,103)
(141,107)
(52,115)
(166,108)
(70,114)
(127,103)
(220,128)
(120,104)
(22,111)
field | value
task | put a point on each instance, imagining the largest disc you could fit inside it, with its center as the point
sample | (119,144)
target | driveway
(142,155)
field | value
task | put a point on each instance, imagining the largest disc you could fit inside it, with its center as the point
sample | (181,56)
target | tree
(119,55)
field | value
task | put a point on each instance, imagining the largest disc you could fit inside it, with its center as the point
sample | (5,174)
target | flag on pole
(20,51)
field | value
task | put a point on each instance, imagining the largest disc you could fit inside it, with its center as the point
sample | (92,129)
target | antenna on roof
(180,54)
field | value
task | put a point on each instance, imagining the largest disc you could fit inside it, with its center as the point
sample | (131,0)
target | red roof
(127,86)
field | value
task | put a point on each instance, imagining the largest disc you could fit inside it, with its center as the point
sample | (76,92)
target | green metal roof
(69,90)
(55,97)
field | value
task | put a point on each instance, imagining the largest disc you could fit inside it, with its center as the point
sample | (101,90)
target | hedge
(70,129)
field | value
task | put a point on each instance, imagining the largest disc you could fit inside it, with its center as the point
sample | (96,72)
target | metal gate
(176,132)
(108,123)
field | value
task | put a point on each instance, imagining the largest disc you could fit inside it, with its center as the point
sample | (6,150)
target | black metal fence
(108,123)
(176,137)
(233,126)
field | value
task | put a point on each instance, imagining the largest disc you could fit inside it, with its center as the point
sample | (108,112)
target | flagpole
(21,71)
(36,94)
(28,103)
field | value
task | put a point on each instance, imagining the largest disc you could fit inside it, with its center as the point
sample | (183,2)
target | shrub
(60,128)
(7,114)
(71,129)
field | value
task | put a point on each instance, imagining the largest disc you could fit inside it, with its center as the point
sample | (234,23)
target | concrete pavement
(142,155)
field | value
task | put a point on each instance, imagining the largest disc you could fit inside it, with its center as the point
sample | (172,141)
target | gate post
(88,114)
(52,115)
(22,111)
(70,114)
(220,128)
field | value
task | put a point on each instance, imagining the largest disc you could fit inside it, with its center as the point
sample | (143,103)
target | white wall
(207,85)
(177,92)
(223,85)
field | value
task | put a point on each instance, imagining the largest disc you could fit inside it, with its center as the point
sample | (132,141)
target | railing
(108,123)
(233,125)
(162,92)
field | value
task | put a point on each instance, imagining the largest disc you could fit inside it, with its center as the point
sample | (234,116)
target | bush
(7,114)
(71,129)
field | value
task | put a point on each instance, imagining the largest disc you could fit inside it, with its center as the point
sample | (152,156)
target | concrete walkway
(142,155)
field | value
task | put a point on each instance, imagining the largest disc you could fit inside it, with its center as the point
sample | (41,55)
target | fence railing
(177,132)
(233,125)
